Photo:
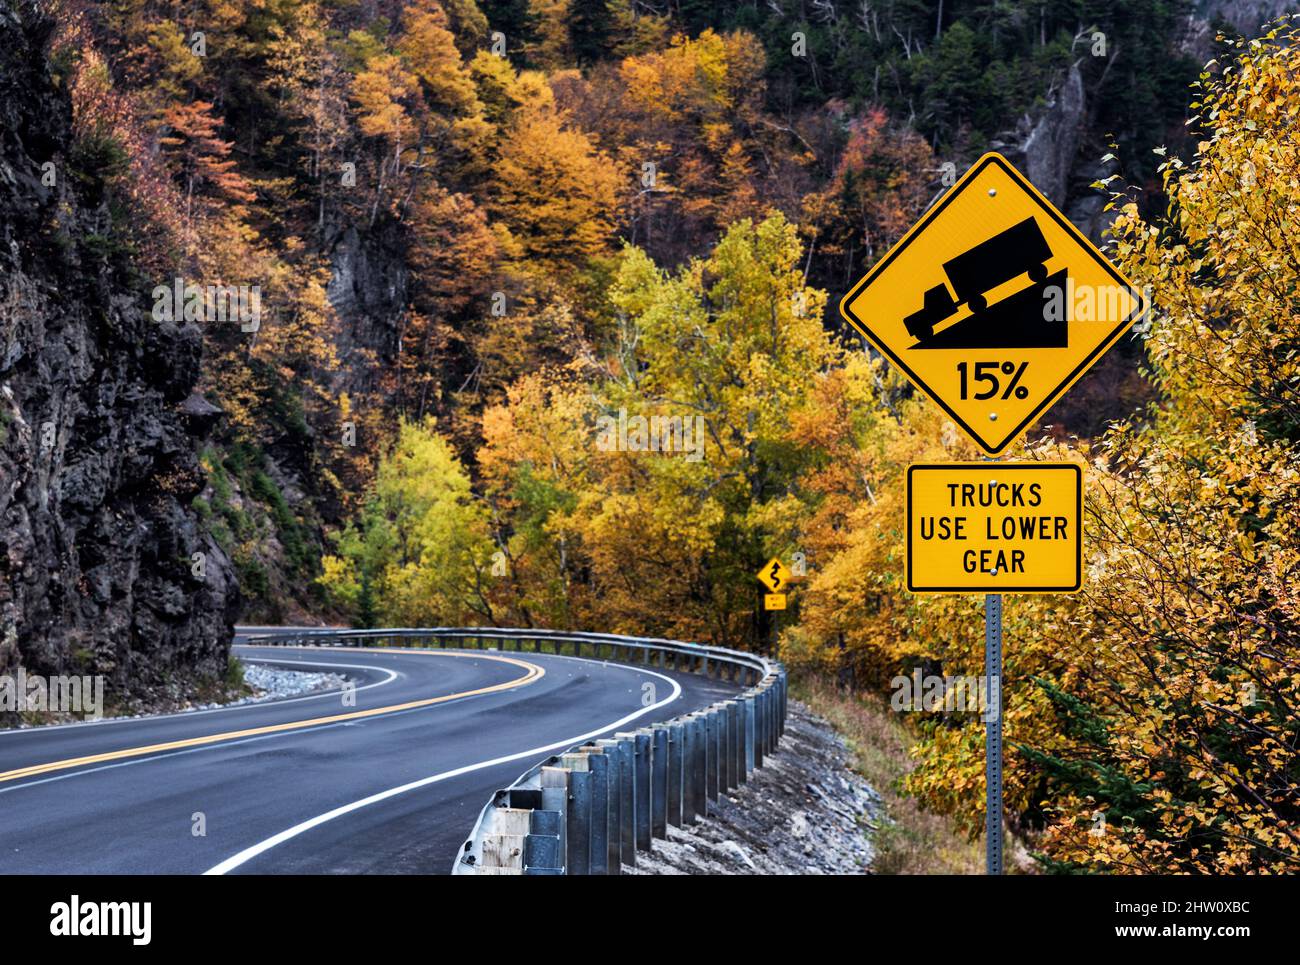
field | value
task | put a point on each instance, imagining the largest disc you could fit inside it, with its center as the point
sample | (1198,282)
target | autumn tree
(551,192)
(880,183)
(201,158)
(421,555)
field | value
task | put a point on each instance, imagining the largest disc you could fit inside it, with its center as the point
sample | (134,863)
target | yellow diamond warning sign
(994,527)
(993,304)
(774,576)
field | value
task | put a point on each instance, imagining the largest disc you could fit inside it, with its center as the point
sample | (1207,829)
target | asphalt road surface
(388,781)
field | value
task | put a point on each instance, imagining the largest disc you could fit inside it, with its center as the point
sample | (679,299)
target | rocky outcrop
(1045,146)
(105,567)
(368,291)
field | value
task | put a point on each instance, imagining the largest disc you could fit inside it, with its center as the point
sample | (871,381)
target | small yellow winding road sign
(774,575)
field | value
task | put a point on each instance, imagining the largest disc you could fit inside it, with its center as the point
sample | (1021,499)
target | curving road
(387,781)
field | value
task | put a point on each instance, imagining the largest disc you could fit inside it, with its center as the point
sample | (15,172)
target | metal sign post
(993,730)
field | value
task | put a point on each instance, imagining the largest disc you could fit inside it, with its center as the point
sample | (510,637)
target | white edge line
(231,863)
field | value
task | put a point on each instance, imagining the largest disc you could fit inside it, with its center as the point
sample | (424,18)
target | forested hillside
(433,197)
(480,234)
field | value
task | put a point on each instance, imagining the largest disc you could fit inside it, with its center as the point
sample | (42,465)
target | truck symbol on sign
(1018,250)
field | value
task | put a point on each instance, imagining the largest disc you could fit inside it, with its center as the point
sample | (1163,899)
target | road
(389,780)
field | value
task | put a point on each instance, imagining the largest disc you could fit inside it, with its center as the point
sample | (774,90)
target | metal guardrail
(589,809)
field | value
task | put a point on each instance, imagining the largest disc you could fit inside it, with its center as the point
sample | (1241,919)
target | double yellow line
(532,673)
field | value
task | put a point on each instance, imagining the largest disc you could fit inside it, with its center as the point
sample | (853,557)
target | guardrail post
(764,720)
(555,797)
(659,783)
(676,772)
(740,740)
(689,808)
(723,713)
(727,775)
(768,745)
(785,700)
(598,764)
(729,756)
(741,743)
(771,719)
(578,820)
(542,846)
(724,739)
(776,714)
(751,754)
(713,746)
(706,762)
(643,789)
(699,766)
(773,715)
(627,747)
(503,846)
(615,756)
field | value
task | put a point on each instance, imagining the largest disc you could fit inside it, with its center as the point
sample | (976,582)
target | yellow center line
(534,672)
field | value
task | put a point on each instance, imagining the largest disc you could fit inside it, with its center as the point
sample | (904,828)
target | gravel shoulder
(269,683)
(803,812)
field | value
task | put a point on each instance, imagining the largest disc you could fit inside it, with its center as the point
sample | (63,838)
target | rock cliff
(105,567)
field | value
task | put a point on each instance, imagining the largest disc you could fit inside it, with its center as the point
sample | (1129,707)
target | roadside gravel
(271,682)
(803,812)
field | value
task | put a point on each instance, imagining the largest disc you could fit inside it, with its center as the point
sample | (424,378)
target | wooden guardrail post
(503,846)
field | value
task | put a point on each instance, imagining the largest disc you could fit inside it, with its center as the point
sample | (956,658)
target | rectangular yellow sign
(995,527)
